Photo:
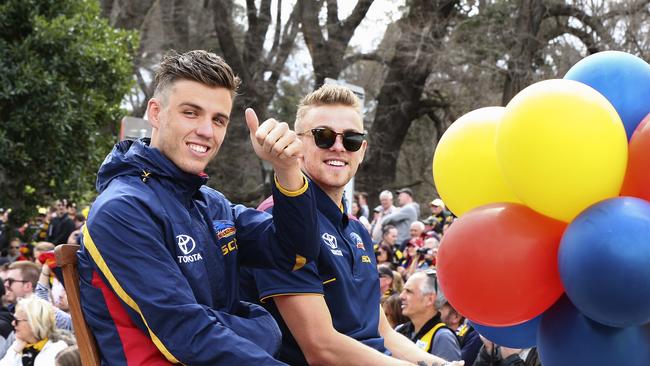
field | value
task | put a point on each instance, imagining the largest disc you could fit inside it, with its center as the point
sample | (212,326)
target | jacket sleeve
(285,240)
(126,244)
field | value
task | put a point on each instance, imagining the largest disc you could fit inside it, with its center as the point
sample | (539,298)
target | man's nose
(205,127)
(338,144)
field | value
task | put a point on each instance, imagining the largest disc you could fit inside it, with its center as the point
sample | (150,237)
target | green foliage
(63,74)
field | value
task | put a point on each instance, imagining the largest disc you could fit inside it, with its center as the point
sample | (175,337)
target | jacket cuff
(289,193)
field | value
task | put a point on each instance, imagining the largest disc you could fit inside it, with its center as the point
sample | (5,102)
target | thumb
(252,121)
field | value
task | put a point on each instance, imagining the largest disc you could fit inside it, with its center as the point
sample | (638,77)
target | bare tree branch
(585,37)
(277,33)
(373,56)
(288,41)
(564,9)
(332,17)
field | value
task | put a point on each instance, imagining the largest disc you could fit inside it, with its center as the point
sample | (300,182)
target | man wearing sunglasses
(20,282)
(328,309)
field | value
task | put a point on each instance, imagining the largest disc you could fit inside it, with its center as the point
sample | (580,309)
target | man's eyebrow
(191,105)
(225,116)
(198,107)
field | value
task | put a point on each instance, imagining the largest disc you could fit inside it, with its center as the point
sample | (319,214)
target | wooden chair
(66,258)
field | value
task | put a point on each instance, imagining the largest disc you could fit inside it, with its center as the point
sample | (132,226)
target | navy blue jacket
(159,264)
(345,273)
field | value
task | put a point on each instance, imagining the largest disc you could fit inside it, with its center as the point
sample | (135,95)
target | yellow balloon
(562,147)
(465,167)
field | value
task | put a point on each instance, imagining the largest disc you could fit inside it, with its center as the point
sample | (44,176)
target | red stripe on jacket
(136,345)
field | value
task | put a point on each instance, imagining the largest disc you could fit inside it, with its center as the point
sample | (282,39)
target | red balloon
(637,177)
(497,264)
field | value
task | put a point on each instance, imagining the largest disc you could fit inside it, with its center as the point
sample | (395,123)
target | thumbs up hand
(274,142)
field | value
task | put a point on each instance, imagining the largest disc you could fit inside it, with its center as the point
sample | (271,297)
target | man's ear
(154,108)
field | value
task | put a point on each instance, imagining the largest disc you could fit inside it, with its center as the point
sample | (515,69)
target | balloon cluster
(552,245)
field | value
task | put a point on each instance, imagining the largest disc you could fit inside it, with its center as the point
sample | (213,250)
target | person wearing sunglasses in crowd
(421,301)
(37,339)
(329,309)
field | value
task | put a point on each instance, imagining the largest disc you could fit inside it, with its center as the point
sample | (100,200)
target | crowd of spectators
(35,323)
(406,249)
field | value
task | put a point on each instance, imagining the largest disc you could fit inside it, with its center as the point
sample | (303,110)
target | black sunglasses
(11,281)
(432,273)
(325,138)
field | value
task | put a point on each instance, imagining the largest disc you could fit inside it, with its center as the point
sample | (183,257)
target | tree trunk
(398,103)
(327,52)
(522,64)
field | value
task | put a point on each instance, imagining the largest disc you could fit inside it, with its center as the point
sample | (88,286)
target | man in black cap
(407,214)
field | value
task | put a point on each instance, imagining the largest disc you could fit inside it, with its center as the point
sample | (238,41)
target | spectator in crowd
(14,251)
(416,232)
(362,200)
(4,234)
(389,238)
(68,357)
(37,339)
(6,328)
(344,325)
(40,248)
(392,306)
(385,280)
(495,355)
(21,280)
(421,300)
(468,337)
(408,212)
(161,251)
(430,251)
(439,216)
(62,317)
(385,208)
(398,283)
(71,208)
(414,259)
(356,212)
(384,255)
(61,226)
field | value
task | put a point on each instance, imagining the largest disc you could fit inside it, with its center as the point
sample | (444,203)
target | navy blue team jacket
(159,264)
(345,273)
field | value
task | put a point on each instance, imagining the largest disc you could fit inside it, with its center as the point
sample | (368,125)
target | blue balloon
(604,262)
(517,336)
(567,338)
(622,78)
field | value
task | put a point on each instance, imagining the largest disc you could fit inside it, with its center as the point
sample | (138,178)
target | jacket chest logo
(187,244)
(330,240)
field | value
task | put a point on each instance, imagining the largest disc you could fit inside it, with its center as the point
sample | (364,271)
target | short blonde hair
(328,94)
(40,316)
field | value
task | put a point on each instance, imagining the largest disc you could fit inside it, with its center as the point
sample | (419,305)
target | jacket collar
(139,159)
(334,213)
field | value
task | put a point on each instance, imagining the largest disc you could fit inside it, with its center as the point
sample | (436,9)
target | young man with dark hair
(160,250)
(329,309)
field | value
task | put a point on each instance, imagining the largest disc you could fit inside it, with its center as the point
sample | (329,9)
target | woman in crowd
(37,339)
(384,256)
(356,212)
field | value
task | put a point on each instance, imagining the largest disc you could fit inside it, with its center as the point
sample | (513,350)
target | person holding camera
(414,258)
